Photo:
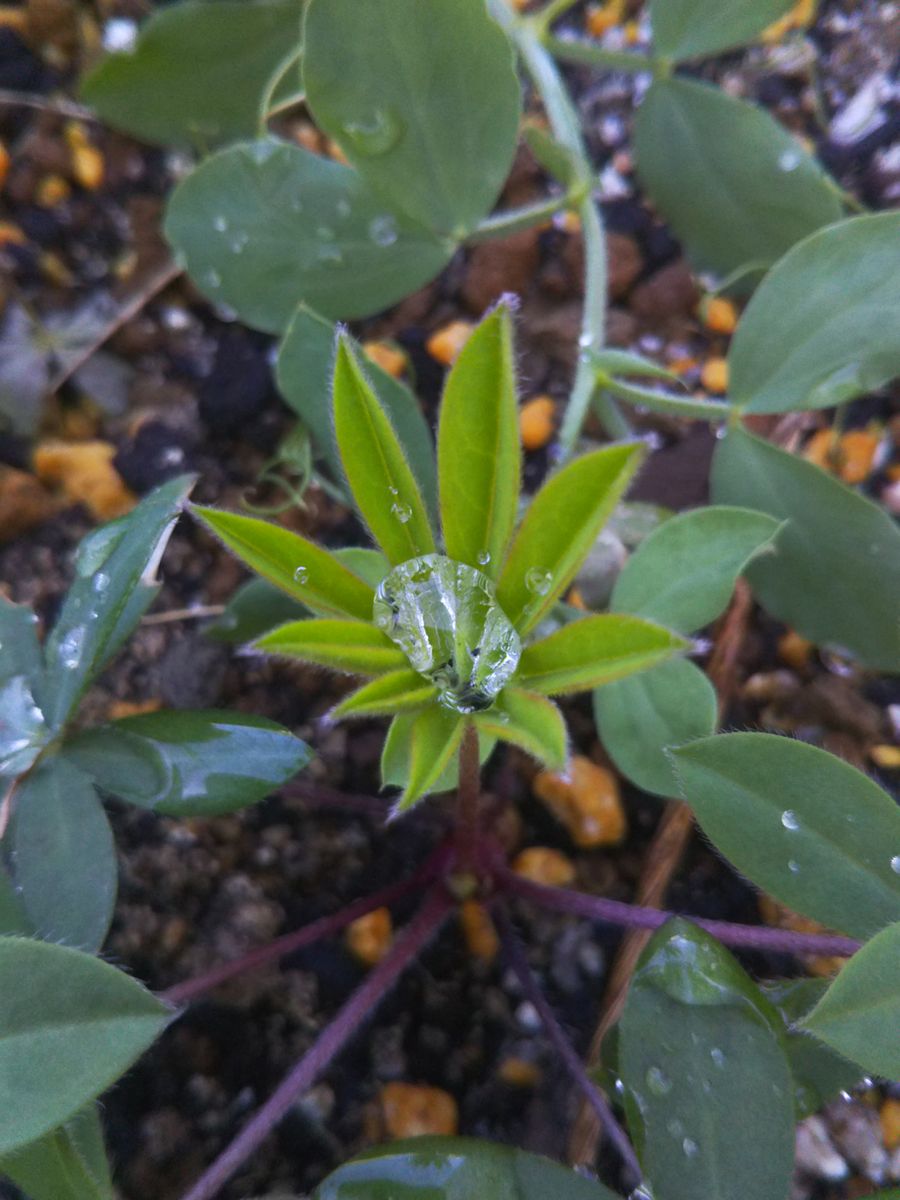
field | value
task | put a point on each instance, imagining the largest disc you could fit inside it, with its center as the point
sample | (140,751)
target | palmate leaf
(593,651)
(383,486)
(479,451)
(297,566)
(559,528)
(530,721)
(351,646)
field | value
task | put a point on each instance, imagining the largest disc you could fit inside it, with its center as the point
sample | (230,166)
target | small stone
(519,1072)
(670,291)
(536,422)
(478,930)
(886,756)
(368,938)
(600,18)
(714,376)
(815,1154)
(415,1110)
(719,314)
(857,1133)
(387,355)
(52,190)
(889,1116)
(24,503)
(445,343)
(497,267)
(541,864)
(85,473)
(794,650)
(586,800)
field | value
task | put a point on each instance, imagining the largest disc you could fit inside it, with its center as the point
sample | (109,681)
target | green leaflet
(299,567)
(528,720)
(800,823)
(395,757)
(479,453)
(69,1163)
(559,528)
(435,736)
(684,29)
(593,651)
(342,645)
(380,478)
(399,691)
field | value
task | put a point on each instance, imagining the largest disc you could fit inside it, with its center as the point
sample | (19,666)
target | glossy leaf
(593,651)
(399,691)
(819,1073)
(835,576)
(300,568)
(116,570)
(20,651)
(859,1015)
(698,1044)
(297,227)
(383,486)
(455,1168)
(64,860)
(342,645)
(735,186)
(800,823)
(530,721)
(424,101)
(256,607)
(189,763)
(395,757)
(198,71)
(479,450)
(560,526)
(638,718)
(435,735)
(69,1163)
(684,29)
(69,1027)
(824,326)
(23,731)
(684,573)
(304,369)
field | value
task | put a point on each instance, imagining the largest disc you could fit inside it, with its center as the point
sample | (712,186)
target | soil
(200,396)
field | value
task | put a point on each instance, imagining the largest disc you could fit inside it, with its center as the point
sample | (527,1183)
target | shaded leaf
(455,1168)
(560,526)
(68,1163)
(835,575)
(479,451)
(398,691)
(685,29)
(824,326)
(189,763)
(342,645)
(300,568)
(395,757)
(198,71)
(69,1027)
(530,721)
(20,650)
(64,860)
(859,1015)
(699,1044)
(593,651)
(735,186)
(256,607)
(297,227)
(639,717)
(377,471)
(800,823)
(684,573)
(439,140)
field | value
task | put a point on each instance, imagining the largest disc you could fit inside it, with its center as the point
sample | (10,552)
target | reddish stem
(433,866)
(615,912)
(564,1048)
(468,794)
(329,1042)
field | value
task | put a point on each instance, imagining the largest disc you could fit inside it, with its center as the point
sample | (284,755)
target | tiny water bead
(301,574)
(789,820)
(383,230)
(658,1082)
(484,558)
(538,581)
(895,864)
(374,135)
(445,618)
(402,512)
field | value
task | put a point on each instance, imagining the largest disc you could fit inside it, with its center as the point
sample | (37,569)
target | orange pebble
(586,800)
(478,930)
(414,1110)
(857,450)
(52,190)
(446,342)
(11,235)
(889,1116)
(85,473)
(567,221)
(541,864)
(386,355)
(15,19)
(576,600)
(334,151)
(600,18)
(536,423)
(794,649)
(714,376)
(4,164)
(519,1072)
(368,938)
(886,756)
(719,314)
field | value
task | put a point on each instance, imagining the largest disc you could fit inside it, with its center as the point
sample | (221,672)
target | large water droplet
(374,135)
(445,618)
(789,820)
(538,581)
(383,230)
(658,1081)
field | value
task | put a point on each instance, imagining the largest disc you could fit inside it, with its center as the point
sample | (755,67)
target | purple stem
(615,912)
(564,1048)
(324,927)
(318,795)
(329,1043)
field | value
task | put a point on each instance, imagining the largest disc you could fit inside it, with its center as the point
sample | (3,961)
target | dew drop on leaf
(789,820)
(375,135)
(658,1082)
(383,230)
(401,511)
(213,279)
(895,864)
(484,558)
(220,224)
(718,1056)
(793,866)
(689,1146)
(301,574)
(789,160)
(538,581)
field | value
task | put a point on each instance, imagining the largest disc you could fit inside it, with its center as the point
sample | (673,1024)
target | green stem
(586,54)
(564,123)
(666,403)
(265,104)
(552,12)
(502,224)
